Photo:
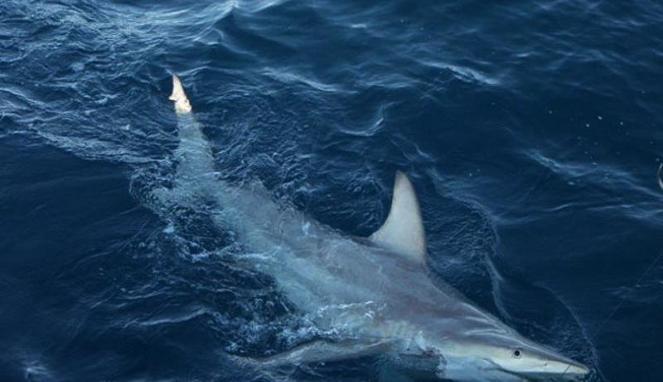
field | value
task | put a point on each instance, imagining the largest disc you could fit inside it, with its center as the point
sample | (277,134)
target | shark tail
(182,104)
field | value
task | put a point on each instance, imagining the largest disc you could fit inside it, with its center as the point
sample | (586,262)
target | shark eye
(517,353)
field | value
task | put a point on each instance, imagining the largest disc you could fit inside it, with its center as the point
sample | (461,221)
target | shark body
(375,292)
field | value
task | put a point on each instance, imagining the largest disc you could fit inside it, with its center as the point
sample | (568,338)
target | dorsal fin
(403,231)
(178,96)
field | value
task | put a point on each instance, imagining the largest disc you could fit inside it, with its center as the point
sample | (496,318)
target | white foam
(465,74)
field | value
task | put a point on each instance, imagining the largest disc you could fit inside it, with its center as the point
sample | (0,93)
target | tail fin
(178,96)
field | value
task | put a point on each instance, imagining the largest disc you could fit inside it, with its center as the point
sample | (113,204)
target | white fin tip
(182,104)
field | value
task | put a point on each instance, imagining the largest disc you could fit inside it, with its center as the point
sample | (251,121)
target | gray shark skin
(376,291)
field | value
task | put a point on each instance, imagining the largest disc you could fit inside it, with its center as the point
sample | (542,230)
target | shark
(376,292)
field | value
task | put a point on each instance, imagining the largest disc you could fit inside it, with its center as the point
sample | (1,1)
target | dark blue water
(532,130)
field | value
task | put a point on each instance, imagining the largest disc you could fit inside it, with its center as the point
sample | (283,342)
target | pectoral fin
(320,351)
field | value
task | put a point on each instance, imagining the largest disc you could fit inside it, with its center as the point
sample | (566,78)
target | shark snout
(576,371)
(562,368)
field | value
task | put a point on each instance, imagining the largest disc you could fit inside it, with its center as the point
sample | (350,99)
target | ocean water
(532,130)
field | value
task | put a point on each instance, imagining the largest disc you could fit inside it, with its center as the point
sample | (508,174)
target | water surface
(532,131)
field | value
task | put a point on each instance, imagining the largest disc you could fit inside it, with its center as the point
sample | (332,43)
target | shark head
(494,354)
(511,357)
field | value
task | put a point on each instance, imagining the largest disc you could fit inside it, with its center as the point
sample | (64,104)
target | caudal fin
(178,96)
